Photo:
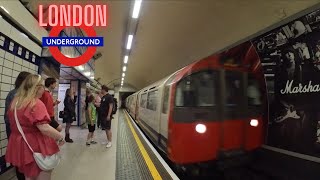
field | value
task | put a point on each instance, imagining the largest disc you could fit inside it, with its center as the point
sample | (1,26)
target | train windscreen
(197,90)
(200,96)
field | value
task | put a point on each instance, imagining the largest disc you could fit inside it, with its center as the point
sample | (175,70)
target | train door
(164,116)
(234,110)
(136,109)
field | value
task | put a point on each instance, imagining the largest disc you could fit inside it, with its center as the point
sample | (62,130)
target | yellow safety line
(153,170)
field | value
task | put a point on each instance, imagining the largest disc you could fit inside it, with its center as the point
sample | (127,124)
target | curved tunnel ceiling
(172,34)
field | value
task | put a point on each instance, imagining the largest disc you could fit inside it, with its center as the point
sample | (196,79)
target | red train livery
(208,110)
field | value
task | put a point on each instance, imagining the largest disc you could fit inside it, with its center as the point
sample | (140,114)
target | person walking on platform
(21,77)
(69,111)
(106,112)
(47,99)
(91,116)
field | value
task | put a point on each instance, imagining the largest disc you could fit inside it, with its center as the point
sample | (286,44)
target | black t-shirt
(105,103)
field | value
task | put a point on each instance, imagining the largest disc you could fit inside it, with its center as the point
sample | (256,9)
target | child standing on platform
(91,120)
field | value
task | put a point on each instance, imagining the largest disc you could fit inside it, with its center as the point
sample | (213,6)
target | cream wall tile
(6,79)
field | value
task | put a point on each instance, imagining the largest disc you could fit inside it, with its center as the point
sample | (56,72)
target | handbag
(45,163)
(62,114)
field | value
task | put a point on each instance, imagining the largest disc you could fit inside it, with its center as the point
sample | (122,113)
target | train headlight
(201,128)
(254,122)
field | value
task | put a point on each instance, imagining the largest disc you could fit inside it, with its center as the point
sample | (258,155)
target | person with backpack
(115,106)
(105,113)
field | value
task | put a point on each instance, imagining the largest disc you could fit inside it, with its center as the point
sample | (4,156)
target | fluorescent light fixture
(81,68)
(124,68)
(125,59)
(130,37)
(87,73)
(4,9)
(136,9)
(122,79)
(123,74)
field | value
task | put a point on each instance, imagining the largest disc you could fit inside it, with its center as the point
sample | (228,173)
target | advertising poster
(290,56)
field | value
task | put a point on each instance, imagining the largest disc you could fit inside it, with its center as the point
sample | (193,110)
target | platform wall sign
(290,56)
(84,16)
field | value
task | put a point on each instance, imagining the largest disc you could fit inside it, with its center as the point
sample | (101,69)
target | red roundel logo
(84,58)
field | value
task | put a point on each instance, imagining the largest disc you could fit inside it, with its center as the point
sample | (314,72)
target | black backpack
(115,106)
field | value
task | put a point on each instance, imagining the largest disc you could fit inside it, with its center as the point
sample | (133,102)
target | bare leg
(67,138)
(89,137)
(109,135)
(68,125)
(92,134)
(44,175)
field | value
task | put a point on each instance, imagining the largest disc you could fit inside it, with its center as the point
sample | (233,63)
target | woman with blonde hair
(34,120)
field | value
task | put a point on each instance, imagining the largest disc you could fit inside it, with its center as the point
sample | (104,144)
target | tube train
(206,111)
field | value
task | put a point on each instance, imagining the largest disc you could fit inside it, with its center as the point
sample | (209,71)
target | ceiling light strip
(136,9)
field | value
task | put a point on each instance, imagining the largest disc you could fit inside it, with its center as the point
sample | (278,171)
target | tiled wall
(13,59)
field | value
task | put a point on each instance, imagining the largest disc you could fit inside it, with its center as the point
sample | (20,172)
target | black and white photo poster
(290,56)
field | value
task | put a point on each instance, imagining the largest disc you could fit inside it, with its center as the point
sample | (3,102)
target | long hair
(21,77)
(67,92)
(27,92)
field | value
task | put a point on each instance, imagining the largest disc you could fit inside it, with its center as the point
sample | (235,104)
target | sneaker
(93,142)
(109,145)
(88,144)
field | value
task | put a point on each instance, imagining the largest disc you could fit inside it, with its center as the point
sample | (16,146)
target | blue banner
(72,41)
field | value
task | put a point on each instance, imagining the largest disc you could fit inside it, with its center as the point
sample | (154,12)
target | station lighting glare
(4,9)
(81,68)
(123,74)
(125,59)
(124,68)
(122,79)
(92,77)
(23,34)
(136,9)
(87,73)
(129,43)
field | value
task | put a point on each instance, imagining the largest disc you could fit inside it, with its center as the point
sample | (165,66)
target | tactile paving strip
(130,162)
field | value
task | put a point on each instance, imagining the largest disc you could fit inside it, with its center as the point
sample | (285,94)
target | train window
(197,90)
(152,100)
(165,100)
(233,88)
(143,101)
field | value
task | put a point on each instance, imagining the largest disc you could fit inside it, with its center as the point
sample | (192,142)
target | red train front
(215,108)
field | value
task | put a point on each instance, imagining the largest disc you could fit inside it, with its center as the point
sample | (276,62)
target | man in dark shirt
(106,112)
(21,77)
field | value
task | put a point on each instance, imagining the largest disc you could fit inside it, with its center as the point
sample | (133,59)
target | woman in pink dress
(34,120)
